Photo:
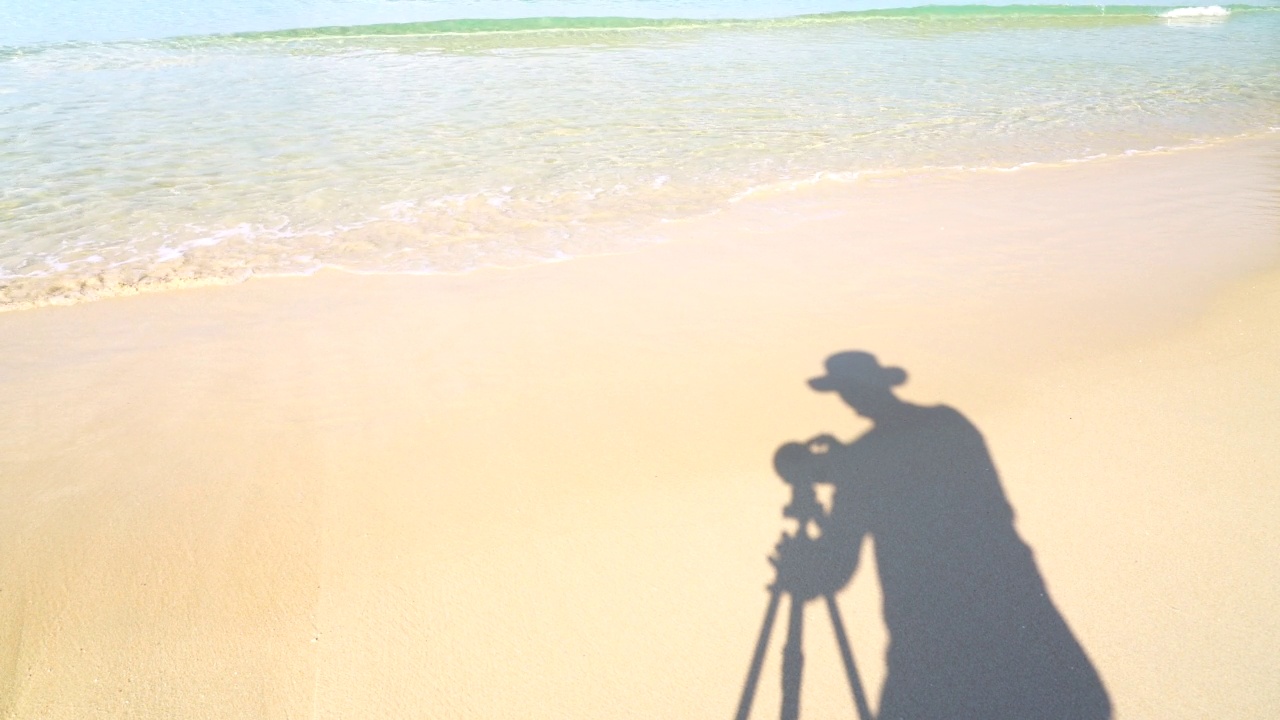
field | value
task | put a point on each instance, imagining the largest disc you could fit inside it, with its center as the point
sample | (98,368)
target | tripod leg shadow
(846,654)
(757,658)
(793,659)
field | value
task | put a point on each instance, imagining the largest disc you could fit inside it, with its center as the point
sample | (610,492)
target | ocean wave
(1203,11)
(1212,12)
(578,24)
(564,25)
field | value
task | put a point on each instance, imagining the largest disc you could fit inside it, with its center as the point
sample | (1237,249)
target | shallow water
(459,140)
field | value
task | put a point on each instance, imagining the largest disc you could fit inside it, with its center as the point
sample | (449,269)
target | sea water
(150,145)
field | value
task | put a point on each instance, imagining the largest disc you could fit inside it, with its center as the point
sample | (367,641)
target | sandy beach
(547,492)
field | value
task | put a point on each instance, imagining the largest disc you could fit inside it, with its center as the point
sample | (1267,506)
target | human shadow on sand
(972,632)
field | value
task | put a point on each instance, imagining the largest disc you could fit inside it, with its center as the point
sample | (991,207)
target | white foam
(1202,11)
(1012,168)
(166,254)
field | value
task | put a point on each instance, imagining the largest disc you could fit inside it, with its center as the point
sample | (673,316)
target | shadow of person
(972,631)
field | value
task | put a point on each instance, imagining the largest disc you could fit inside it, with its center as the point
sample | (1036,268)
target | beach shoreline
(547,491)
(196,266)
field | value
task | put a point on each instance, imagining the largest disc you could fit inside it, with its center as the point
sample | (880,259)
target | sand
(547,492)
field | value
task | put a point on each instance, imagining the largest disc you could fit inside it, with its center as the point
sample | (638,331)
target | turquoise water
(147,147)
(24,22)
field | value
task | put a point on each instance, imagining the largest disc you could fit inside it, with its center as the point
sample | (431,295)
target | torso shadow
(973,632)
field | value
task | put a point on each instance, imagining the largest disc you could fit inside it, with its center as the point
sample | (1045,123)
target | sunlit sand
(549,491)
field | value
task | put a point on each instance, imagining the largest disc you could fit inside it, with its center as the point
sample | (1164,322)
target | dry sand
(547,492)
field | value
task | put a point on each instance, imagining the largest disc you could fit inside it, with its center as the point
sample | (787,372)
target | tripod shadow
(973,633)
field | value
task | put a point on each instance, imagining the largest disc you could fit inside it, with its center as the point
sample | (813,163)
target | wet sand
(547,492)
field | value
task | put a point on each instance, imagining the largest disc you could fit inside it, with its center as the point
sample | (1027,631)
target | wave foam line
(1205,11)
(1047,14)
(846,177)
(569,24)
